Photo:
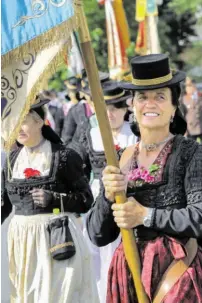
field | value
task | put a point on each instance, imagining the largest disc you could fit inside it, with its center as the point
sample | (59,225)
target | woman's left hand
(130,214)
(41,197)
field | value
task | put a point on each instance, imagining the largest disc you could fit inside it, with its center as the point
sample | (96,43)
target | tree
(182,6)
(176,27)
(175,31)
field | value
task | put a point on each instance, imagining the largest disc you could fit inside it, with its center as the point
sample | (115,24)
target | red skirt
(155,256)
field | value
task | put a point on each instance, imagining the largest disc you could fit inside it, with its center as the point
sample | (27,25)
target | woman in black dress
(162,176)
(40,172)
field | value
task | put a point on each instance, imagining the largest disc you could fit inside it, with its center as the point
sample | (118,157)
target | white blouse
(39,159)
(124,138)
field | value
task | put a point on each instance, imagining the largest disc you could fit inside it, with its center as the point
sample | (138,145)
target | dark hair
(77,94)
(40,111)
(175,94)
(121,104)
(47,132)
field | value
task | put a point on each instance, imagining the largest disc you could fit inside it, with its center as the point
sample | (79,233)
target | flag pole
(129,244)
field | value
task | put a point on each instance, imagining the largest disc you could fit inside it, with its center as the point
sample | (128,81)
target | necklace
(153,146)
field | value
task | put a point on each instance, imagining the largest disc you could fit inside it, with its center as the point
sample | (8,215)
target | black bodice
(66,176)
(177,199)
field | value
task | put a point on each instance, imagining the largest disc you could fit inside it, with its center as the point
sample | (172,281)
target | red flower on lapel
(31,173)
(117,147)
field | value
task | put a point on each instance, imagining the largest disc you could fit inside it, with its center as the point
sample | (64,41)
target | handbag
(62,246)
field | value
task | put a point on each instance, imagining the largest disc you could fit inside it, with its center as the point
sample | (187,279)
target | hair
(38,113)
(175,94)
(121,104)
(77,93)
(37,118)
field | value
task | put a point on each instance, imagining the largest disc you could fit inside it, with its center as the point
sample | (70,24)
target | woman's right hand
(113,182)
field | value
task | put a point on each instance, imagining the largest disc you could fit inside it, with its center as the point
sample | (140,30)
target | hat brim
(178,77)
(40,104)
(126,96)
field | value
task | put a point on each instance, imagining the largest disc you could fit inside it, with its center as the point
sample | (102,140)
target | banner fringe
(39,85)
(49,38)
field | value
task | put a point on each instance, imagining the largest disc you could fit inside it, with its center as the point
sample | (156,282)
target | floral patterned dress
(156,255)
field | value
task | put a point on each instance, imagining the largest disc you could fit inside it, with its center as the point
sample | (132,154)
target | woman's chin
(151,125)
(22,141)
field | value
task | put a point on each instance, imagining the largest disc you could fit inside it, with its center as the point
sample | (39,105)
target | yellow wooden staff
(129,244)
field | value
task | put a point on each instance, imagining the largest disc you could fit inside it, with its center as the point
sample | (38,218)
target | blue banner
(24,20)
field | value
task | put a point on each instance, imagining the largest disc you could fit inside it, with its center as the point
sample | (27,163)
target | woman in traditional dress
(40,172)
(77,121)
(162,176)
(116,105)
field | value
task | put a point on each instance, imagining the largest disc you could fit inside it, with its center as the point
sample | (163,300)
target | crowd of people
(58,162)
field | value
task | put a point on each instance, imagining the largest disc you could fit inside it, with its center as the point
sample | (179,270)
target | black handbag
(61,242)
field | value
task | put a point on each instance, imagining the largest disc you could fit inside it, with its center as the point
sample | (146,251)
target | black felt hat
(152,72)
(73,83)
(114,93)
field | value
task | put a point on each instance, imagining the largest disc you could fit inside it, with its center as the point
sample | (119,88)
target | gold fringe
(49,38)
(30,100)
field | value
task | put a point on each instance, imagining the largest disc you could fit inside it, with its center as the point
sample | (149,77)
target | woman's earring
(171,119)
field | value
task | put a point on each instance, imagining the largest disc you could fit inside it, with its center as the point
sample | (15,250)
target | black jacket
(66,176)
(177,200)
(75,125)
(59,121)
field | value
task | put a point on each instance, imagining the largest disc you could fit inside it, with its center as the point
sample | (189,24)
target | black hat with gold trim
(114,93)
(72,83)
(152,72)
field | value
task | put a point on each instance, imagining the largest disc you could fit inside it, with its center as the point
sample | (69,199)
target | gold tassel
(49,38)
(41,82)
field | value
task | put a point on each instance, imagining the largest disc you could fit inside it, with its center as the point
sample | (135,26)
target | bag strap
(61,203)
(175,271)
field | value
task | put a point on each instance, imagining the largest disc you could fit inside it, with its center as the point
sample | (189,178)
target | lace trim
(160,161)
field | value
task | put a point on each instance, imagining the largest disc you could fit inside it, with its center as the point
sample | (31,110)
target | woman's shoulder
(185,147)
(68,155)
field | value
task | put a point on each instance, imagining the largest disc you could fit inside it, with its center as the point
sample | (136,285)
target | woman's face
(116,116)
(30,130)
(72,96)
(153,108)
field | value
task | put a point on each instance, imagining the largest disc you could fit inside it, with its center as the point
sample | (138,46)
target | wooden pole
(129,244)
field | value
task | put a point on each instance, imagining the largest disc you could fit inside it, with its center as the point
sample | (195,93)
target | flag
(34,37)
(141,7)
(118,38)
(147,39)
(75,62)
(151,8)
(141,42)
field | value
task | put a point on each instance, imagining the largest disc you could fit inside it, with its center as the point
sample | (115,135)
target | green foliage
(176,26)
(57,80)
(182,6)
(175,32)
